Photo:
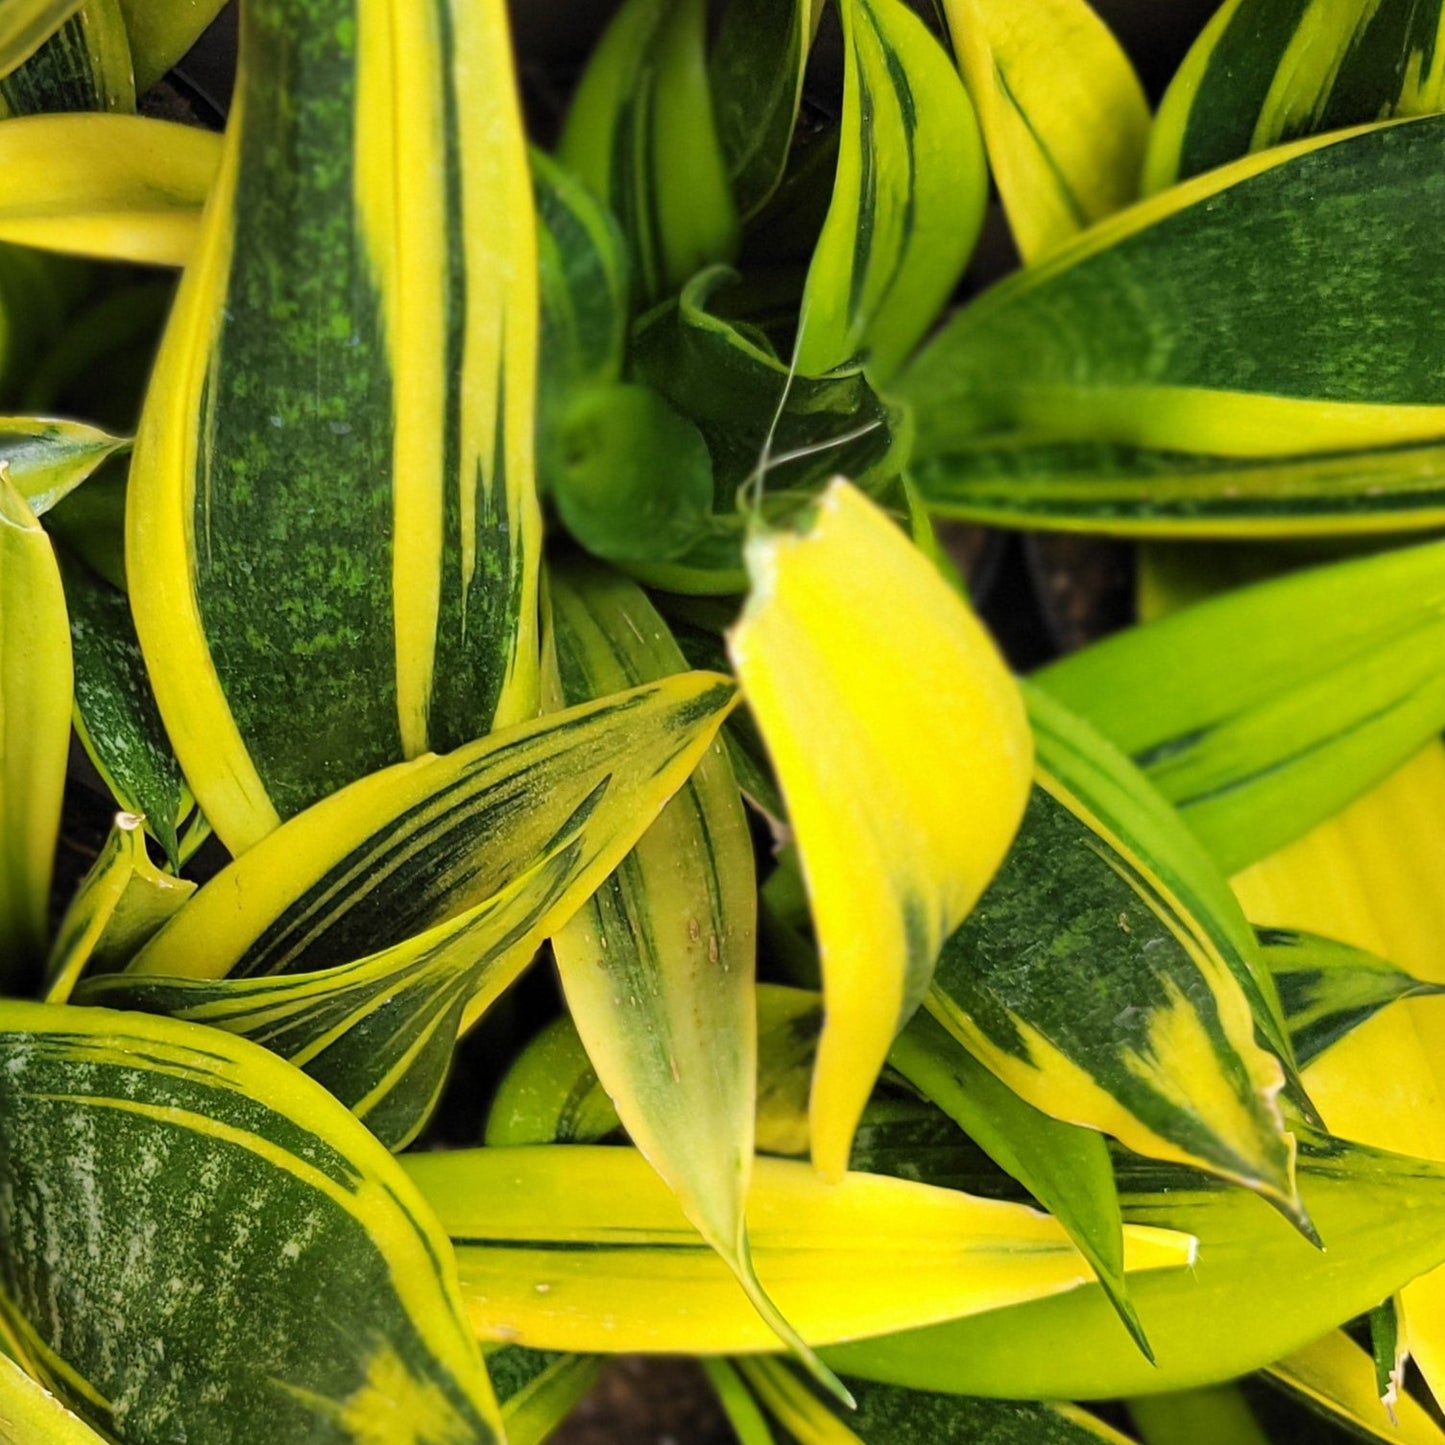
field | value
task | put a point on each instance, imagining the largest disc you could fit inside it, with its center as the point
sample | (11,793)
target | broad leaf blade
(118,187)
(35,686)
(642,134)
(300,1220)
(47,458)
(911,181)
(843,1260)
(333,479)
(886,725)
(1063,114)
(84,66)
(1123,341)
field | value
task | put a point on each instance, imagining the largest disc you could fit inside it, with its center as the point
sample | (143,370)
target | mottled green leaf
(85,65)
(537,1390)
(26,24)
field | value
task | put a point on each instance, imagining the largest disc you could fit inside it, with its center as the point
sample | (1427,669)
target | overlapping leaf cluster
(517,567)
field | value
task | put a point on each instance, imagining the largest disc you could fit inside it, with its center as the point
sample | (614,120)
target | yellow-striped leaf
(908,198)
(332,533)
(379,1032)
(1337,1378)
(198,1243)
(35,687)
(1118,385)
(903,752)
(1265,72)
(1262,711)
(537,1389)
(84,66)
(642,134)
(47,458)
(25,25)
(552,1242)
(120,904)
(118,187)
(1063,114)
(1108,978)
(31,1415)
(161,31)
(658,966)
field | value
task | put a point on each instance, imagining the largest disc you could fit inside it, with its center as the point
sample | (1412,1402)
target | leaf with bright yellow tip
(903,751)
(1063,114)
(574,1247)
(116,187)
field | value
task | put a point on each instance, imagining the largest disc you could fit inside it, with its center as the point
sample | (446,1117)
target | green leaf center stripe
(1066,193)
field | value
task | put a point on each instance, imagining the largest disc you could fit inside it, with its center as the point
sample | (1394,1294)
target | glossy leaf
(35,685)
(1265,72)
(115,710)
(886,725)
(537,1391)
(46,458)
(552,1242)
(1337,1378)
(27,24)
(1263,711)
(219,1319)
(379,1032)
(121,903)
(757,67)
(642,134)
(1066,1168)
(908,198)
(117,187)
(31,1415)
(332,524)
(84,66)
(887,1415)
(161,31)
(1379,1212)
(1063,114)
(419,844)
(1123,351)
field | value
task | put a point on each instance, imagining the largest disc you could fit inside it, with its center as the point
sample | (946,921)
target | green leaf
(302,1292)
(1217,1413)
(25,25)
(1383,1216)
(887,1415)
(31,1415)
(117,187)
(843,1260)
(908,200)
(642,134)
(1064,117)
(333,477)
(1263,711)
(1123,355)
(658,967)
(537,1391)
(115,710)
(35,686)
(1108,978)
(84,66)
(122,902)
(1265,72)
(47,458)
(551,1094)
(1066,1168)
(468,887)
(161,32)
(757,66)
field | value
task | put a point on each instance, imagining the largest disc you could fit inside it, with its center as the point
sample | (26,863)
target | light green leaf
(1217,1413)
(1123,356)
(1383,1216)
(1264,72)
(47,458)
(1066,1168)
(642,134)
(908,200)
(84,66)
(121,903)
(333,478)
(118,187)
(161,31)
(1108,978)
(553,1239)
(35,687)
(1263,711)
(25,25)
(1063,114)
(551,1094)
(31,1415)
(302,1292)
(537,1391)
